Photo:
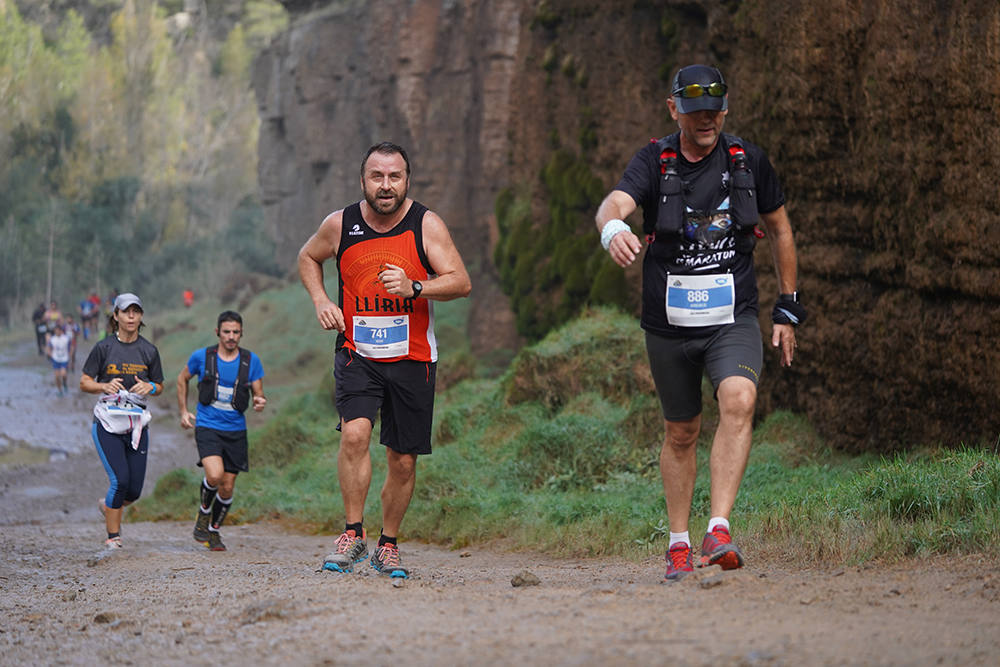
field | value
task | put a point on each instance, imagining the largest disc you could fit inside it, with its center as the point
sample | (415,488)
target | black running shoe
(201,532)
(214,542)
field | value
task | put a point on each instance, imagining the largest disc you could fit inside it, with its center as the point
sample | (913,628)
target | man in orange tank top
(394,257)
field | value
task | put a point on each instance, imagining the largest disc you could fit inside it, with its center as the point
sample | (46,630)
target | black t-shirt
(705,247)
(111,358)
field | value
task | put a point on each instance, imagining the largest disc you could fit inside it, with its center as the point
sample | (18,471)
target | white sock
(679,537)
(717,521)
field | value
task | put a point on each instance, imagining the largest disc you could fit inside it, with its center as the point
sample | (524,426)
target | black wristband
(787,311)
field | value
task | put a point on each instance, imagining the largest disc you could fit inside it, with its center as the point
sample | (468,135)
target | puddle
(20,454)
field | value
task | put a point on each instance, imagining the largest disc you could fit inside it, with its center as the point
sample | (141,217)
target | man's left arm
(451,279)
(257,389)
(779,232)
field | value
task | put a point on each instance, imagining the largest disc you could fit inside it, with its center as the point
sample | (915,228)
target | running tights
(126,467)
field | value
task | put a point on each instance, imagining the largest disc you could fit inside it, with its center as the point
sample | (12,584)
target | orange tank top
(382,326)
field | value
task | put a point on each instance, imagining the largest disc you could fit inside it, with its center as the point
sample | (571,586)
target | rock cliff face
(881,117)
(433,77)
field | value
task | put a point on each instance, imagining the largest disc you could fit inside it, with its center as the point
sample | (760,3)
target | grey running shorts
(678,364)
(403,390)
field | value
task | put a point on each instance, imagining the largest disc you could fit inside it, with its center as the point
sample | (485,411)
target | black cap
(704,75)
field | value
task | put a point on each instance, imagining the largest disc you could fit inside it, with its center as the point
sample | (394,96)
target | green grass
(560,454)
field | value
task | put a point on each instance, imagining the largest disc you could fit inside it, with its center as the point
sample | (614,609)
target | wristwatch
(794,296)
(417,288)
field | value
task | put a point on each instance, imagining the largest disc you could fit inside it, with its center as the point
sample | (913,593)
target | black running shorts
(678,364)
(230,445)
(403,390)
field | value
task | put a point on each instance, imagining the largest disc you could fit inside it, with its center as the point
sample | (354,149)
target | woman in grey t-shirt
(124,368)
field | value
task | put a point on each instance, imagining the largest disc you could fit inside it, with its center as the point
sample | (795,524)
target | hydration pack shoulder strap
(742,189)
(209,382)
(670,208)
(241,392)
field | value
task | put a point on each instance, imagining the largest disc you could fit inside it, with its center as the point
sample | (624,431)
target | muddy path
(165,600)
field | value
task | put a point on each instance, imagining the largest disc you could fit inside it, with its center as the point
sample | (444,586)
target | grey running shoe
(385,561)
(214,542)
(201,533)
(113,543)
(351,549)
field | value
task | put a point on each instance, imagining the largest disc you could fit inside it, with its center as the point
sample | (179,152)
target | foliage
(561,471)
(127,159)
(552,266)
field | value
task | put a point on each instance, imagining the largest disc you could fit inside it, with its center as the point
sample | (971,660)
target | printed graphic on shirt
(708,241)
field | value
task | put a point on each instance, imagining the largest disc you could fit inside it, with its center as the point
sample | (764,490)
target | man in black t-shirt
(699,304)
(41,329)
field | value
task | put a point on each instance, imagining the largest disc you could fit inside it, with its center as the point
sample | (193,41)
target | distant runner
(58,348)
(88,311)
(125,369)
(53,316)
(393,257)
(227,376)
(73,329)
(41,329)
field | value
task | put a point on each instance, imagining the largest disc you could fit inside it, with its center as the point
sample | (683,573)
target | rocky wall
(881,117)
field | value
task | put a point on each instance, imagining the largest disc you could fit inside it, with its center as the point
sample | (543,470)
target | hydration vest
(208,386)
(666,234)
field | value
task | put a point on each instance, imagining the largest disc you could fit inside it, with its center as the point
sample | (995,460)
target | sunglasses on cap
(715,89)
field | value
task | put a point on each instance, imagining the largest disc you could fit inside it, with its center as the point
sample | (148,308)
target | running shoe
(214,542)
(351,549)
(201,532)
(385,561)
(113,543)
(718,549)
(678,562)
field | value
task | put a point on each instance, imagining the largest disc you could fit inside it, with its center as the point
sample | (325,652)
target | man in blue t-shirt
(228,378)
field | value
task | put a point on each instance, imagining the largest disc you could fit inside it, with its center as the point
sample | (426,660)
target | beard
(385,206)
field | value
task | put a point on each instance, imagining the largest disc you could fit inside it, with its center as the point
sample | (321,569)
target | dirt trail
(165,600)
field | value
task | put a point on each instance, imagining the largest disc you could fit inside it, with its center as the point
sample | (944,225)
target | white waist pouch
(123,412)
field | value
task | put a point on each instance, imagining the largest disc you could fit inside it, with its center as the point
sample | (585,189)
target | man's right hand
(330,316)
(624,248)
(187,419)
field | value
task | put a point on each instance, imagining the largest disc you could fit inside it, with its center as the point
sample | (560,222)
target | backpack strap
(209,382)
(670,210)
(742,188)
(241,391)
(742,196)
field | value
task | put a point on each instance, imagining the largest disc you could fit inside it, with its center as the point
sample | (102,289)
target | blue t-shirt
(220,414)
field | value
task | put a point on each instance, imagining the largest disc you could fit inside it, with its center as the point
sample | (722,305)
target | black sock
(220,508)
(207,494)
(359,531)
(384,539)
(110,535)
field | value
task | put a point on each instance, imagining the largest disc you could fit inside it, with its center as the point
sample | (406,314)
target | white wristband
(611,229)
